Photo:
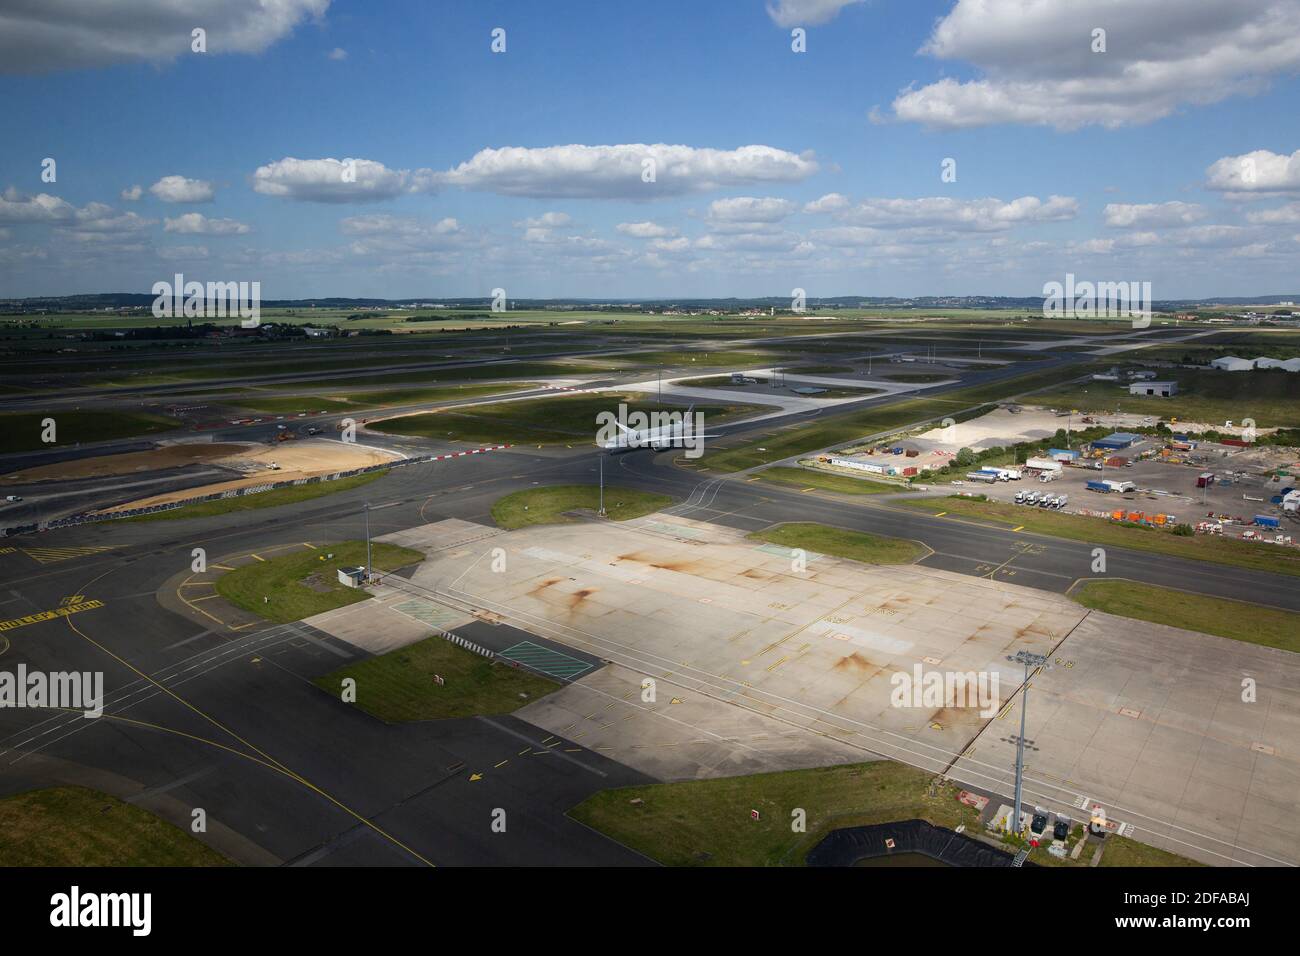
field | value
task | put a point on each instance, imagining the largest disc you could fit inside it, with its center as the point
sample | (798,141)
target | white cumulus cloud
(337,180)
(645,230)
(195,223)
(40,36)
(749,209)
(806,13)
(1261,171)
(18,208)
(180,189)
(965,215)
(1147,215)
(1037,65)
(627,171)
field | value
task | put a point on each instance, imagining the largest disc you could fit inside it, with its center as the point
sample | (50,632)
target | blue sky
(1171,156)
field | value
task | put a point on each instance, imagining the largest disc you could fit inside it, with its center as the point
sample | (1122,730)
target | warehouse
(1117,441)
(1161,389)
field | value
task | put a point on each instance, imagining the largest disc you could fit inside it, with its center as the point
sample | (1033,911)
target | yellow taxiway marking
(258,557)
(266,758)
(806,490)
(1021,528)
(308,544)
(222,567)
(501,764)
(755,478)
(941,514)
(773,666)
(54,555)
(52,615)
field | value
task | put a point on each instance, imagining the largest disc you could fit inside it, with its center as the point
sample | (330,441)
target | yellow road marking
(53,615)
(54,555)
(271,761)
(501,764)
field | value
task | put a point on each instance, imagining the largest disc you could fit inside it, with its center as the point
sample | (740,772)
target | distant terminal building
(1161,389)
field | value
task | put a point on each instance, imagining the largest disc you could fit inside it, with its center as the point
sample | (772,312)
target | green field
(842,543)
(399,686)
(21,431)
(541,421)
(357,401)
(266,499)
(306,583)
(1099,531)
(447,393)
(77,827)
(1271,397)
(444,376)
(807,478)
(1238,620)
(722,358)
(709,822)
(548,505)
(823,369)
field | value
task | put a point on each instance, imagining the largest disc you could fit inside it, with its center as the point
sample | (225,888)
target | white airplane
(682,430)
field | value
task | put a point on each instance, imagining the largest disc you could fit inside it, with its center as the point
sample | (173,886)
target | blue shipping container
(1267,521)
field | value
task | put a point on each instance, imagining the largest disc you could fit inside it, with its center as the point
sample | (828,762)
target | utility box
(352,577)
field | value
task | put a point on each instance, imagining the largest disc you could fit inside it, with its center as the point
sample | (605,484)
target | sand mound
(298,459)
(130,463)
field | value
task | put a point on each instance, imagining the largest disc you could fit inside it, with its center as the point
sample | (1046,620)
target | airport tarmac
(723,624)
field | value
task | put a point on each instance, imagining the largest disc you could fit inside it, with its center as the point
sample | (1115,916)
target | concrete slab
(1147,720)
(678,738)
(389,620)
(1150,722)
(450,533)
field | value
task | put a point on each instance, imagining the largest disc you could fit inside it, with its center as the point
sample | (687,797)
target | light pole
(1030,660)
(602,485)
(368,564)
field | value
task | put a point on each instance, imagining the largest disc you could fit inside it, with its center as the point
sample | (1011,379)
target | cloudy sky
(603,150)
